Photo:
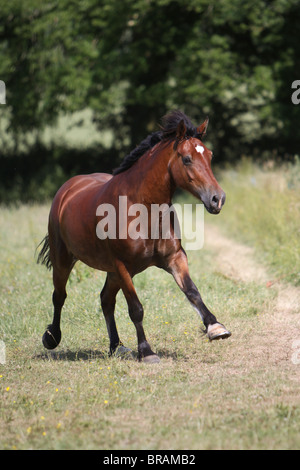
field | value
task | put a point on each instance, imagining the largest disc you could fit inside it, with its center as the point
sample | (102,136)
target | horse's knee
(136,312)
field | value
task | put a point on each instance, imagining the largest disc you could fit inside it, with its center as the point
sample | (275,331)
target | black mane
(167,133)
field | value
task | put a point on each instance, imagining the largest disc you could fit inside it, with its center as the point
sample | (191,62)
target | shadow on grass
(166,354)
(91,354)
(79,355)
(68,355)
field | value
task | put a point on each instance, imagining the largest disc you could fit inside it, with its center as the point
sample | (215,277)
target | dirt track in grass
(276,342)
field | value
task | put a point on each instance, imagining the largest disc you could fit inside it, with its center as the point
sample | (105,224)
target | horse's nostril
(215,200)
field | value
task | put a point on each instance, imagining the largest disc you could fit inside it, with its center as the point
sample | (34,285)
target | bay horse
(171,157)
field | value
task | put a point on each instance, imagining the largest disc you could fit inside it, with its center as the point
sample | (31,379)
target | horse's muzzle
(213,201)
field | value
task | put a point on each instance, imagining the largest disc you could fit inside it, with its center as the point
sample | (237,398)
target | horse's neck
(149,179)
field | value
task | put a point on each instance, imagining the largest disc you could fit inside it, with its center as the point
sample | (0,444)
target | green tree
(130,61)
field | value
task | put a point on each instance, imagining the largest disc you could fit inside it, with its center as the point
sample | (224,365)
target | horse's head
(191,170)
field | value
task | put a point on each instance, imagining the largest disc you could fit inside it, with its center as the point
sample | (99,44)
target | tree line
(132,61)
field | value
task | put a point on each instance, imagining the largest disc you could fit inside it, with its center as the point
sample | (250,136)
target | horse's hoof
(123,352)
(152,359)
(217,331)
(49,340)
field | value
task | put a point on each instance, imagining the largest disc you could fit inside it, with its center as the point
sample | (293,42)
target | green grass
(263,209)
(201,395)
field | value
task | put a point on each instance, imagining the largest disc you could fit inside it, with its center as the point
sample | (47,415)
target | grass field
(242,393)
(263,210)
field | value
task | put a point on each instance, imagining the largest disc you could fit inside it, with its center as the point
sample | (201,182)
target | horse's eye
(187,160)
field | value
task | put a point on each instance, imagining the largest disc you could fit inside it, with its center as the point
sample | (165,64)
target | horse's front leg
(178,267)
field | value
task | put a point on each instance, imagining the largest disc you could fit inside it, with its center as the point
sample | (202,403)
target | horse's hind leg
(62,263)
(108,302)
(136,313)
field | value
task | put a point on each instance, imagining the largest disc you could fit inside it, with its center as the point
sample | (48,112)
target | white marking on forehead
(200,149)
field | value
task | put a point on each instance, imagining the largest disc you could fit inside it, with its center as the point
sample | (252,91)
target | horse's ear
(203,127)
(181,130)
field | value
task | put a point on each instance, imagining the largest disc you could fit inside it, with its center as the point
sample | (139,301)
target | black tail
(44,254)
